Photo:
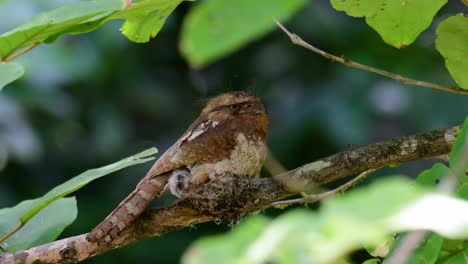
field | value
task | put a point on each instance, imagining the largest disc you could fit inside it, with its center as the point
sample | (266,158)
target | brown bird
(228,138)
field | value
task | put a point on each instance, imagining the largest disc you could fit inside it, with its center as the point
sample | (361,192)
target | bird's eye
(235,106)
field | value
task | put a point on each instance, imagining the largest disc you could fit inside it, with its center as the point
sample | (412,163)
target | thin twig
(309,199)
(295,39)
(21,52)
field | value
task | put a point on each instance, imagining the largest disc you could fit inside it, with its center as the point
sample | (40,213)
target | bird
(227,139)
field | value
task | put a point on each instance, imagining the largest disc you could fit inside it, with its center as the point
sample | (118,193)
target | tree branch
(295,39)
(231,198)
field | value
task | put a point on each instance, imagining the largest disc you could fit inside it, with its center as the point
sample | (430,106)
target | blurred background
(92,99)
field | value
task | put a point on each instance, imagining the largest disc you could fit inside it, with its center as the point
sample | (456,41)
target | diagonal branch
(232,198)
(295,39)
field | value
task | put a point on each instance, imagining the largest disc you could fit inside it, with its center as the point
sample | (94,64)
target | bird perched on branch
(228,138)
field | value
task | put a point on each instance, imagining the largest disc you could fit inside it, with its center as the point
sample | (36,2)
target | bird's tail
(128,210)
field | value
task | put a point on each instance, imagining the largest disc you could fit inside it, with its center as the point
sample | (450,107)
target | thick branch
(230,198)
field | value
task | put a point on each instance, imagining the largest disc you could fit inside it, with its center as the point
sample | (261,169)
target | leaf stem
(11,232)
(21,52)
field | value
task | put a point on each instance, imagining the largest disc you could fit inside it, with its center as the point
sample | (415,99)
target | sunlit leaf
(360,218)
(444,215)
(145,18)
(452,43)
(398,22)
(342,225)
(218,249)
(55,22)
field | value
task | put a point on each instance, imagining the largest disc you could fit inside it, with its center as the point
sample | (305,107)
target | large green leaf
(452,43)
(399,22)
(216,28)
(9,72)
(362,217)
(46,226)
(33,207)
(459,154)
(55,22)
(145,18)
(342,225)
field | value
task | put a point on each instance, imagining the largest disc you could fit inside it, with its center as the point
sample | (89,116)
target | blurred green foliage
(19,215)
(91,99)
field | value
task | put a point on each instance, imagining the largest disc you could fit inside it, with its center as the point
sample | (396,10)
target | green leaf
(372,261)
(433,176)
(459,154)
(84,178)
(145,18)
(428,251)
(457,258)
(360,218)
(33,207)
(9,72)
(452,44)
(216,28)
(396,194)
(399,22)
(439,213)
(219,248)
(55,22)
(452,245)
(342,225)
(45,227)
(462,191)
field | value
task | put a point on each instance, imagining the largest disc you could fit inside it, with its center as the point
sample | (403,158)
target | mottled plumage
(228,138)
